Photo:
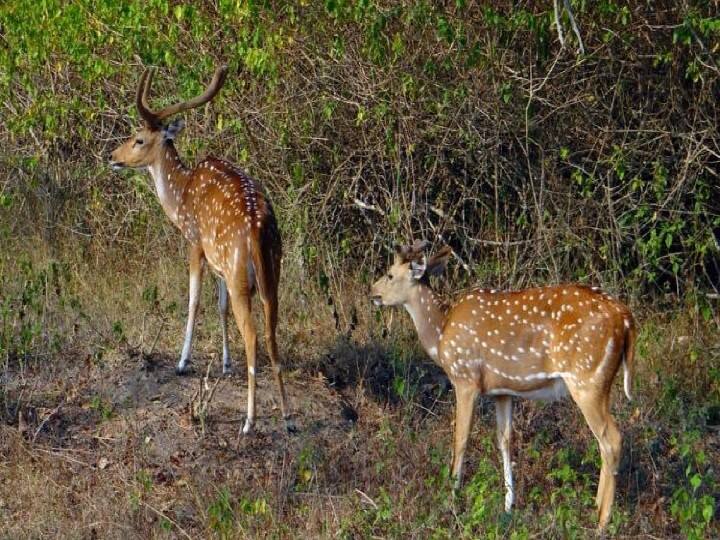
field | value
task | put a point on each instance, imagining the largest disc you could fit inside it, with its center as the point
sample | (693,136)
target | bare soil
(111,450)
(108,422)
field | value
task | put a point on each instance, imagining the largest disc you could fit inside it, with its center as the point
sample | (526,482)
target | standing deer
(540,343)
(227,219)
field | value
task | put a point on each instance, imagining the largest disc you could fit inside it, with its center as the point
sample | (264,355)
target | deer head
(410,268)
(145,146)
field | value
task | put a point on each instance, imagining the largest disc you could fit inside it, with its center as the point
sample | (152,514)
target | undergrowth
(368,122)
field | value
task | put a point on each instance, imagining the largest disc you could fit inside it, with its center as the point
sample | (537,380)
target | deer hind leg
(241,307)
(196,272)
(503,414)
(464,404)
(596,410)
(223,309)
(270,306)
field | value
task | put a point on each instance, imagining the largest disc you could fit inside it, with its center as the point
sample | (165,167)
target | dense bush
(374,121)
(370,121)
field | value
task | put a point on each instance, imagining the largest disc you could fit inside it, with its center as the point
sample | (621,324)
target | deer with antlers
(228,221)
(539,343)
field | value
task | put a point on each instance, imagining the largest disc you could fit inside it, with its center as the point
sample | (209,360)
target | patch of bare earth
(109,451)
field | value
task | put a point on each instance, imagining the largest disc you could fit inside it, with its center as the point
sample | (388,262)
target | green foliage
(105,408)
(30,296)
(484,493)
(573,495)
(221,516)
(227,516)
(692,504)
(305,468)
(408,87)
(453,119)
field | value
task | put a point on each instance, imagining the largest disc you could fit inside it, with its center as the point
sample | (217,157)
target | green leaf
(708,509)
(695,481)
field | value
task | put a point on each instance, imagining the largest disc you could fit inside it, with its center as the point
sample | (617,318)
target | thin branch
(558,24)
(574,26)
(366,206)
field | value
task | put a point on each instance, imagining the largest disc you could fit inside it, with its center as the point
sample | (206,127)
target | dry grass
(107,448)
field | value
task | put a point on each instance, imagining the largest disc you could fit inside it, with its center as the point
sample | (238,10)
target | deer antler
(414,251)
(141,99)
(153,118)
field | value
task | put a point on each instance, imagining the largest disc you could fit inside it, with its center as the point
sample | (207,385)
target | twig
(366,206)
(164,516)
(367,499)
(45,421)
(157,336)
(558,24)
(574,26)
(64,456)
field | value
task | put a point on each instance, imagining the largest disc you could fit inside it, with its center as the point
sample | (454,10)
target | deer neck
(170,176)
(428,314)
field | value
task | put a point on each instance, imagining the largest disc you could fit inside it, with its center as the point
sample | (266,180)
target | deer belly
(550,390)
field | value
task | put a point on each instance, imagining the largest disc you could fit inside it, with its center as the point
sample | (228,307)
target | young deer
(227,219)
(540,343)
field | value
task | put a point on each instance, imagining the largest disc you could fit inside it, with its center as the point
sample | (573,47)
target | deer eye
(390,276)
(139,142)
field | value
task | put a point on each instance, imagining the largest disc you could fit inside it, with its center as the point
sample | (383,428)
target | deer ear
(437,263)
(418,268)
(419,246)
(172,130)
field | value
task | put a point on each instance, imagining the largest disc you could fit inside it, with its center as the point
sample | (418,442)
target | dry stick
(157,336)
(367,498)
(164,516)
(63,456)
(574,25)
(558,25)
(366,206)
(200,401)
(45,421)
(537,199)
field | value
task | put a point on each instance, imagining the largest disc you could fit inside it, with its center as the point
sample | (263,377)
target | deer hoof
(290,426)
(181,370)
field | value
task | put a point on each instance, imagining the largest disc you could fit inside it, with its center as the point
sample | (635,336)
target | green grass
(455,121)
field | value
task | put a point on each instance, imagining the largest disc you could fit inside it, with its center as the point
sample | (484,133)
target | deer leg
(241,309)
(464,404)
(596,411)
(223,308)
(196,271)
(503,414)
(270,306)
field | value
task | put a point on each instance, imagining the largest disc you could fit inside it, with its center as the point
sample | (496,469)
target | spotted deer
(539,343)
(228,221)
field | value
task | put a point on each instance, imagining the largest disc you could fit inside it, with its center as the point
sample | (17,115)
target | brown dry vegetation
(369,122)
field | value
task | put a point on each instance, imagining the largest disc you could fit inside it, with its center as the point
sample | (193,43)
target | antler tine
(146,89)
(413,251)
(141,98)
(212,89)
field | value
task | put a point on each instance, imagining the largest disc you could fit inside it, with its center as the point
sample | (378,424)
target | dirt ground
(106,423)
(112,449)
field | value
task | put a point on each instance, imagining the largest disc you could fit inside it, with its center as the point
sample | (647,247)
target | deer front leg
(196,270)
(503,415)
(464,403)
(223,308)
